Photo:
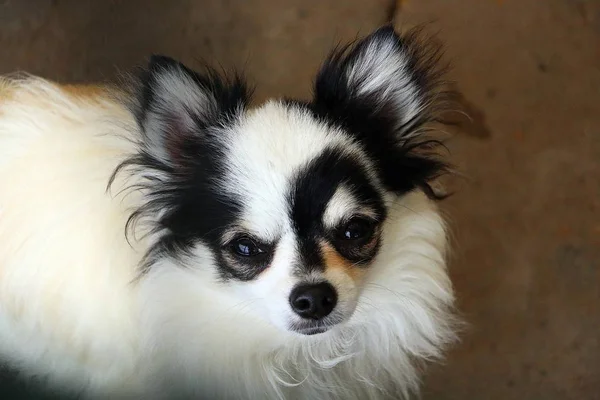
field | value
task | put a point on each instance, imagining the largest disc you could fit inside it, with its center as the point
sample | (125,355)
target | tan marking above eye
(334,260)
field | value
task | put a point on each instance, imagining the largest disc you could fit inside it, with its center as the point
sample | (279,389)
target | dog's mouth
(310,328)
(313,330)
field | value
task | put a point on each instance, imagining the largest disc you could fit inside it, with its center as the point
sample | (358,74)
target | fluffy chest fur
(171,237)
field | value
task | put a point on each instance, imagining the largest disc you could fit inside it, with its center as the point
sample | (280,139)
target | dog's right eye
(246,247)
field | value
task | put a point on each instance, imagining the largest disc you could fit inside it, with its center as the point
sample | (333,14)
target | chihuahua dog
(165,240)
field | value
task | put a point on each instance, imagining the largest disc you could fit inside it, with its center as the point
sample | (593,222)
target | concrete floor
(526,220)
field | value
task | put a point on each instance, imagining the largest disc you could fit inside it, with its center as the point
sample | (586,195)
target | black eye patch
(356,239)
(315,185)
(244,256)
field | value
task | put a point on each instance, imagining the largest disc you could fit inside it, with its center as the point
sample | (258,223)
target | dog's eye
(358,229)
(246,247)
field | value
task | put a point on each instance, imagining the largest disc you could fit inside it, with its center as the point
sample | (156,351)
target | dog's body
(185,301)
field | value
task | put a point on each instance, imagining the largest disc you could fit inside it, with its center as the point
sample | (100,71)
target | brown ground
(527,258)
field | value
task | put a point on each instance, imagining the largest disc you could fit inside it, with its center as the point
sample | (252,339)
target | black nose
(313,301)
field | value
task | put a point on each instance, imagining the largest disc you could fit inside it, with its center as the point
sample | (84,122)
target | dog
(166,240)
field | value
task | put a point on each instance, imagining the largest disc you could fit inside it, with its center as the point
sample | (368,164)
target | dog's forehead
(267,150)
(283,136)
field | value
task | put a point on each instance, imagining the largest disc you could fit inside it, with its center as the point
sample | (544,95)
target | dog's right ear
(177,107)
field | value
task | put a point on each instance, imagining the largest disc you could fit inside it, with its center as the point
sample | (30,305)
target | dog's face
(286,203)
(308,220)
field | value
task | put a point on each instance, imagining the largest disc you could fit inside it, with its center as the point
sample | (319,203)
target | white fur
(382,68)
(71,310)
(66,302)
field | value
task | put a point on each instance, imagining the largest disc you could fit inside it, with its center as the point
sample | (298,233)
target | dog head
(285,205)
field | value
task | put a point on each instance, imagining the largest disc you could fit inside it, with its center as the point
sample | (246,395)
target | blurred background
(525,221)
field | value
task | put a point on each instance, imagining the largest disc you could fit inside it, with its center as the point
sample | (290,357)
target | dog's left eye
(357,229)
(246,247)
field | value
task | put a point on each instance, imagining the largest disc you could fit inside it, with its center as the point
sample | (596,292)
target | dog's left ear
(384,75)
(383,90)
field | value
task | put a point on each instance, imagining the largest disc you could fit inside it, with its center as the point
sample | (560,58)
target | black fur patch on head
(379,119)
(180,158)
(313,188)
